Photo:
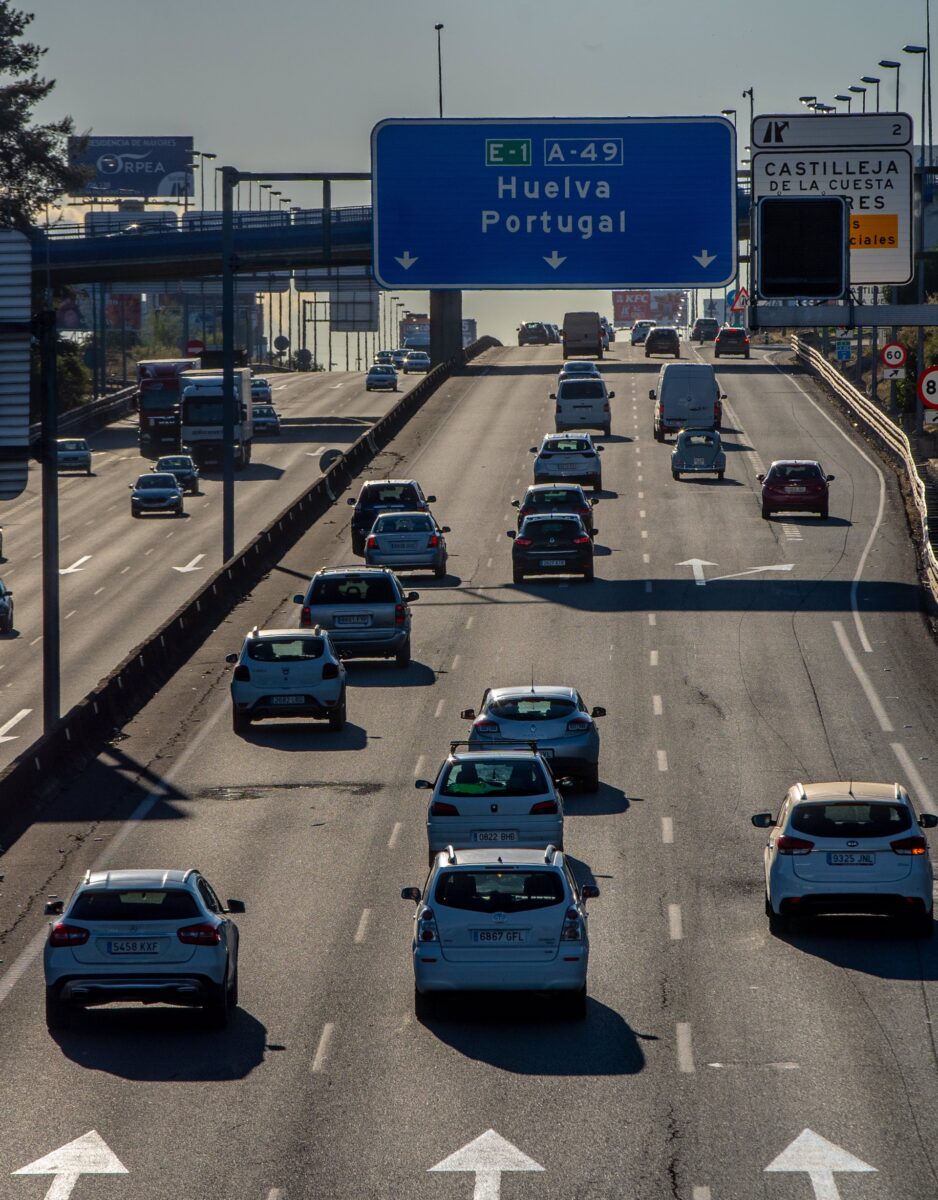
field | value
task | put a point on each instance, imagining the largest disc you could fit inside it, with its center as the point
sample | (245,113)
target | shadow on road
(879,946)
(307,736)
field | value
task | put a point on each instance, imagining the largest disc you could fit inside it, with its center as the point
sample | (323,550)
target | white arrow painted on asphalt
(5,735)
(87,1155)
(76,565)
(704,258)
(754,571)
(555,259)
(487,1156)
(406,260)
(697,565)
(819,1159)
(193,565)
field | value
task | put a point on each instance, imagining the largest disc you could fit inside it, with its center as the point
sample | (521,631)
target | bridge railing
(203,222)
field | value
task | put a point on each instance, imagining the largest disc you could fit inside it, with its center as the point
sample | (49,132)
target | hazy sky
(298,84)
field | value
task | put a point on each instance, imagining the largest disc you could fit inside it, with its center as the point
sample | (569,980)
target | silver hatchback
(73,454)
(408,541)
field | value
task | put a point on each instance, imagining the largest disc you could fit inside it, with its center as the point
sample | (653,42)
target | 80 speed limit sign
(893,354)
(928,387)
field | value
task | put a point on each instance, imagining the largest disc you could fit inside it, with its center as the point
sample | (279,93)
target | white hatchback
(847,848)
(568,456)
(515,922)
(287,673)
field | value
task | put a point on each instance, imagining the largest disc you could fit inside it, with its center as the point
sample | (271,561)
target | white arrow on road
(76,565)
(819,1159)
(697,566)
(488,1155)
(406,260)
(5,735)
(555,259)
(191,566)
(754,571)
(87,1155)
(704,258)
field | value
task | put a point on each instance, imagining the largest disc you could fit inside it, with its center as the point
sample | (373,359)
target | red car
(795,485)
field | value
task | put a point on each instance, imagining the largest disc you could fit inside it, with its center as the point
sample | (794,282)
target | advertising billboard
(134,166)
(353,311)
(631,306)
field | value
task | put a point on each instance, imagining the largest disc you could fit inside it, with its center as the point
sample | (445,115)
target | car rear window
(298,649)
(399,523)
(555,498)
(794,473)
(732,335)
(533,708)
(494,777)
(697,439)
(546,528)
(850,820)
(361,589)
(375,496)
(535,325)
(174,464)
(169,904)
(498,891)
(73,445)
(582,389)
(568,445)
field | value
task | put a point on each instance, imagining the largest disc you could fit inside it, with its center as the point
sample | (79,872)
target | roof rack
(450,854)
(499,744)
(549,853)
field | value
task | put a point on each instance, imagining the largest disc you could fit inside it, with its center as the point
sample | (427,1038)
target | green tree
(34,168)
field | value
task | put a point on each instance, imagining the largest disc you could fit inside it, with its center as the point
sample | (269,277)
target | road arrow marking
(704,258)
(754,571)
(87,1155)
(406,260)
(191,566)
(697,565)
(487,1156)
(819,1159)
(555,259)
(76,565)
(4,729)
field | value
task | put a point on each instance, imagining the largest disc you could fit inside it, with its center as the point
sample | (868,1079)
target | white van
(582,334)
(582,402)
(688,396)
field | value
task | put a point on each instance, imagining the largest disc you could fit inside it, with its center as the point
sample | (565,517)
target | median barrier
(80,734)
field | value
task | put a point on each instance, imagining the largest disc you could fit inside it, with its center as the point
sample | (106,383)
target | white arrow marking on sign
(4,729)
(406,260)
(697,565)
(704,258)
(819,1159)
(753,571)
(87,1155)
(555,259)
(487,1156)
(76,565)
(191,566)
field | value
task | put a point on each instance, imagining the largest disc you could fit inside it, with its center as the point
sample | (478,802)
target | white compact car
(494,797)
(515,922)
(569,456)
(287,673)
(847,848)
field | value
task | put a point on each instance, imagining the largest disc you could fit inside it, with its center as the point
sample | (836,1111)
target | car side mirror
(231,658)
(600,449)
(593,531)
(532,450)
(431,499)
(298,599)
(445,529)
(236,906)
(722,395)
(516,504)
(552,396)
(411,596)
(830,479)
(761,478)
(468,714)
(411,893)
(763,820)
(611,395)
(598,711)
(54,908)
(423,785)
(131,486)
(651,393)
(928,820)
(594,500)
(510,533)
(351,500)
(589,891)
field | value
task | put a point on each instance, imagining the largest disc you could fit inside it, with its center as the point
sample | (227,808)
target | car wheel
(778,925)
(337,718)
(659,435)
(766,512)
(922,925)
(823,513)
(439,571)
(516,575)
(423,1005)
(233,992)
(719,474)
(597,483)
(575,1004)
(134,514)
(675,474)
(607,431)
(217,1003)
(358,545)
(589,780)
(88,471)
(747,356)
(59,1015)
(240,722)
(588,574)
(402,658)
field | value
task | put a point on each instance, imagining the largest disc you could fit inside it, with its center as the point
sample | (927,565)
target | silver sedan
(407,541)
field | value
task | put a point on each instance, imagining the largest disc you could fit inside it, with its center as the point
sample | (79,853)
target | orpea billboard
(134,166)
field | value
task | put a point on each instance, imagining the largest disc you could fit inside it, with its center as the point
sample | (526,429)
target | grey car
(555,717)
(155,936)
(156,493)
(364,609)
(407,541)
(73,454)
(6,608)
(698,452)
(184,470)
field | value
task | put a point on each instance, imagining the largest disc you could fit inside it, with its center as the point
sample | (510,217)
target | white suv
(515,922)
(287,673)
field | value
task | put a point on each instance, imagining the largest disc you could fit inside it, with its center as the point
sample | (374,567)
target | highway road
(121,577)
(709,1047)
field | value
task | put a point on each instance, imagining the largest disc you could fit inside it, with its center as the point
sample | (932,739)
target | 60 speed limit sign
(893,354)
(928,387)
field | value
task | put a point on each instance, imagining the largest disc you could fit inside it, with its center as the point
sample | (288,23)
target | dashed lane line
(439,707)
(662,756)
(685,1049)
(675,922)
(319,1061)
(652,619)
(657,706)
(362,926)
(667,830)
(395,834)
(922,793)
(653,658)
(879,712)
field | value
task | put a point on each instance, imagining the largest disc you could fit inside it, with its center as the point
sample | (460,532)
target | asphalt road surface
(120,577)
(709,1047)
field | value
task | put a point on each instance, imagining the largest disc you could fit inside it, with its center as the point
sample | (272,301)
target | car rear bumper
(794,503)
(572,565)
(443,975)
(92,990)
(880,904)
(374,644)
(416,560)
(315,707)
(533,832)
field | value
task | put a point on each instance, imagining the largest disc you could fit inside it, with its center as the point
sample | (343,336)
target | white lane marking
(362,926)
(489,563)
(699,1193)
(641,496)
(854,604)
(191,565)
(641,514)
(879,712)
(667,830)
(919,787)
(395,834)
(418,768)
(641,478)
(280,1194)
(652,619)
(685,1051)
(98,591)
(35,641)
(653,658)
(76,565)
(70,614)
(469,621)
(792,532)
(124,571)
(656,705)
(315,453)
(644,533)
(150,551)
(5,735)
(646,559)
(455,663)
(662,759)
(439,707)
(675,922)
(322,1049)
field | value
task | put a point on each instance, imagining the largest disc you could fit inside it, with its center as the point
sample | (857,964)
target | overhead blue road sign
(632,202)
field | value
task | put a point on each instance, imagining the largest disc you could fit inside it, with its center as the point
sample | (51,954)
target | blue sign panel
(134,166)
(632,202)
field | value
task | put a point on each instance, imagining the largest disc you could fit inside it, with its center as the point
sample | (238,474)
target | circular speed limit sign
(928,387)
(893,354)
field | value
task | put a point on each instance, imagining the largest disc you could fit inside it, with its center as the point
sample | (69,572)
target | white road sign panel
(779,131)
(930,417)
(893,373)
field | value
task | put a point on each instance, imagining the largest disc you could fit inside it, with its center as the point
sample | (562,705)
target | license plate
(495,835)
(356,620)
(836,858)
(287,699)
(699,462)
(546,751)
(400,545)
(133,946)
(507,937)
(552,562)
(795,491)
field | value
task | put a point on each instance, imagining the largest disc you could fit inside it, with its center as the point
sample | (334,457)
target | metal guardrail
(87,418)
(889,434)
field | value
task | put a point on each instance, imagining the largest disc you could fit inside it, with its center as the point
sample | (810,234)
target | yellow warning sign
(874,231)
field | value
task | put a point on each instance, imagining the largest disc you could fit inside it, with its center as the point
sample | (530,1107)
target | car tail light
(793,845)
(660,408)
(543,807)
(330,671)
(545,454)
(718,410)
(584,512)
(242,674)
(199,935)
(489,728)
(910,845)
(582,539)
(372,543)
(522,541)
(433,541)
(573,930)
(399,614)
(578,725)
(605,408)
(67,935)
(305,616)
(440,808)
(426,927)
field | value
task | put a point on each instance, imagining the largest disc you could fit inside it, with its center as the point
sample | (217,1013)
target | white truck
(203,416)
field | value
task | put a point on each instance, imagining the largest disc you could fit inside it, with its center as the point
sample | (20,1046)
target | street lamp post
(844,99)
(891,65)
(923,50)
(752,108)
(858,91)
(729,112)
(808,101)
(439,63)
(874,80)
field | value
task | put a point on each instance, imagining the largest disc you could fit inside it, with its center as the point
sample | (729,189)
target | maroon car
(795,485)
